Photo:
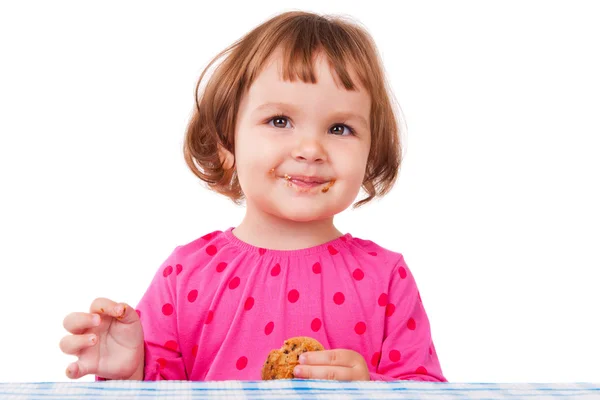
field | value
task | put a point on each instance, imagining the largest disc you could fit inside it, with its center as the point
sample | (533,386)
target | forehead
(271,86)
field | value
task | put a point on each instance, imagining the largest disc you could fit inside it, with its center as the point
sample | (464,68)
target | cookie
(280,363)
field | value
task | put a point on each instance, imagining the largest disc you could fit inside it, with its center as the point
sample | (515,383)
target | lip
(318,180)
(305,181)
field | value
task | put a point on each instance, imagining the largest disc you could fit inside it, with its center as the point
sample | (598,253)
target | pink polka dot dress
(217,306)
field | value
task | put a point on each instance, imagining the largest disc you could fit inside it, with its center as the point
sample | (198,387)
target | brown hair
(300,35)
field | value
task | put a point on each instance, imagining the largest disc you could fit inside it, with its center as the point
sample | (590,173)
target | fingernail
(297,371)
(96,320)
(119,311)
(92,338)
(302,359)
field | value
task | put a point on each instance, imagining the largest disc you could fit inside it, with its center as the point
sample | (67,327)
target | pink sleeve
(158,314)
(407,351)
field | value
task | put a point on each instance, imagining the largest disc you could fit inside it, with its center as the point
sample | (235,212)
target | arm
(158,314)
(407,351)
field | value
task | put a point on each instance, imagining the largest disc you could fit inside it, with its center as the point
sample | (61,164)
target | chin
(306,213)
(301,215)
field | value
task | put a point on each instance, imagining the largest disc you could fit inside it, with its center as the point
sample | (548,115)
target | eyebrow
(293,108)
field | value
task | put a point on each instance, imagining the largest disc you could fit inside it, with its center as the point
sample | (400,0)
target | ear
(226,157)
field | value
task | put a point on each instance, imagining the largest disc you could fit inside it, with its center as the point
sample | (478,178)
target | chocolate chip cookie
(280,363)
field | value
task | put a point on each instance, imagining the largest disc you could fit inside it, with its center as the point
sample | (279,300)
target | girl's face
(301,149)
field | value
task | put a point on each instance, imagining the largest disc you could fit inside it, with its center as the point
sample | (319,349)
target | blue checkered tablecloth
(295,389)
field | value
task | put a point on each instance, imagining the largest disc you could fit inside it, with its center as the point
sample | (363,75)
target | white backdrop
(496,208)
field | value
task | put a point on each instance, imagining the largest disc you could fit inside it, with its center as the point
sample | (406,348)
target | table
(295,389)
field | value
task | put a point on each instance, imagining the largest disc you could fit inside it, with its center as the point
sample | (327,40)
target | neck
(265,230)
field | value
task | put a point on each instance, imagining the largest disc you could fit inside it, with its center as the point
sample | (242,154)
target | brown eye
(279,121)
(341,130)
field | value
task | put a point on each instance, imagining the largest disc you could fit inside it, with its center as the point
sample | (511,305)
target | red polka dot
(195,350)
(339,298)
(402,272)
(162,363)
(209,317)
(241,363)
(276,270)
(178,268)
(332,250)
(430,351)
(269,328)
(235,282)
(208,236)
(315,325)
(358,274)
(360,328)
(317,268)
(139,313)
(394,356)
(293,296)
(167,309)
(211,250)
(249,303)
(389,310)
(262,251)
(383,299)
(171,345)
(375,359)
(167,271)
(221,266)
(411,324)
(192,295)
(374,254)
(421,370)
(343,238)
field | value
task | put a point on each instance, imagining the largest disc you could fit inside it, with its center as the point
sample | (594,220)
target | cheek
(246,153)
(353,172)
(254,160)
(357,177)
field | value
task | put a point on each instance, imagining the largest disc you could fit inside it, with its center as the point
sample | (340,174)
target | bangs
(300,40)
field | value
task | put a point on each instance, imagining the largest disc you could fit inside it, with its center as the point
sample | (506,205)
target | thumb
(125,313)
(121,311)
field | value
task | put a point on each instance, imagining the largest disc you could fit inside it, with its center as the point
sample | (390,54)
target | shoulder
(191,261)
(378,254)
(210,246)
(400,276)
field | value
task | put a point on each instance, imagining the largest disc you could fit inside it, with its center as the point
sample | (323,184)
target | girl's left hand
(338,364)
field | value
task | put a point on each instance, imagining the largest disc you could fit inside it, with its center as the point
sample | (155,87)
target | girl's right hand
(108,341)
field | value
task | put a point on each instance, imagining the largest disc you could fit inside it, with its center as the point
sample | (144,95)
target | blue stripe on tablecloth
(311,385)
(295,389)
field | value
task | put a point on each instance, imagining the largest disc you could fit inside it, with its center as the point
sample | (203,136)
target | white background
(496,207)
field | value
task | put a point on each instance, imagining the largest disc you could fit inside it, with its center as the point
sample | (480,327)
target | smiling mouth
(306,183)
(303,181)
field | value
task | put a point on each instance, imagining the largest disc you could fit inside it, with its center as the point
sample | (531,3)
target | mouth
(306,181)
(308,184)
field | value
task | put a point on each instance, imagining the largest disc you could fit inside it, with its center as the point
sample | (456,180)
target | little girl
(296,119)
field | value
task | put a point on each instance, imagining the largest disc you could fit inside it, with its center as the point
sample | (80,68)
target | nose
(309,149)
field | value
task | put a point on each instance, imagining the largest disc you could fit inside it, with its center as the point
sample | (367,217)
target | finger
(323,372)
(337,357)
(78,322)
(73,344)
(78,369)
(121,311)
